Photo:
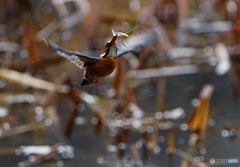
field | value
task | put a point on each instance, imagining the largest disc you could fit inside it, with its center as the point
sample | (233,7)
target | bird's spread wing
(136,43)
(77,58)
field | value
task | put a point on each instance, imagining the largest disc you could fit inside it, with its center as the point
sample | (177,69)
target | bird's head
(111,48)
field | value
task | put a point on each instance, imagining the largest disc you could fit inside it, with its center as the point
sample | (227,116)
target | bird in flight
(104,65)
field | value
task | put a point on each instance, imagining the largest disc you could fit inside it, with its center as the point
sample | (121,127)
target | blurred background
(174,103)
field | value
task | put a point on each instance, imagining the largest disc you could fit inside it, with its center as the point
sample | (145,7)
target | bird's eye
(107,45)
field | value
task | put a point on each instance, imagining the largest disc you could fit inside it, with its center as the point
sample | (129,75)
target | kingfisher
(104,65)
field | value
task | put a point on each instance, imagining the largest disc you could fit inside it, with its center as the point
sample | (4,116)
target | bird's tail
(85,82)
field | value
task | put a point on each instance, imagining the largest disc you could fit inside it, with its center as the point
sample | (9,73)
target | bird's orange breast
(102,68)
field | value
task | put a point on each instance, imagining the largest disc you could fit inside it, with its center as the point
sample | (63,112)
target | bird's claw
(93,81)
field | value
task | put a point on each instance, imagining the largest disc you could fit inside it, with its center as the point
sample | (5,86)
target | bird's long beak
(113,40)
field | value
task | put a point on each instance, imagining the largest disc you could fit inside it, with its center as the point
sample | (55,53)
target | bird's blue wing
(136,43)
(77,58)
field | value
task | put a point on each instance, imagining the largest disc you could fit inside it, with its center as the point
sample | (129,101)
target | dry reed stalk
(160,94)
(184,163)
(28,39)
(170,148)
(198,121)
(22,129)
